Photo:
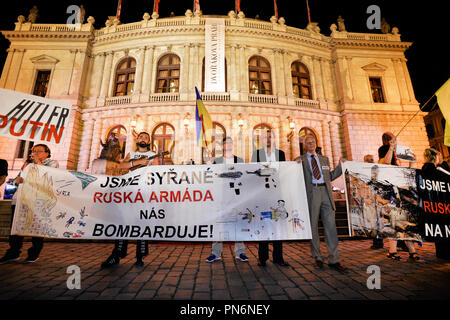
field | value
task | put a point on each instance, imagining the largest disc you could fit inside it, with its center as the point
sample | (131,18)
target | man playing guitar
(140,158)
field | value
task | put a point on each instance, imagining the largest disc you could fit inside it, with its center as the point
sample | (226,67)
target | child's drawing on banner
(382,200)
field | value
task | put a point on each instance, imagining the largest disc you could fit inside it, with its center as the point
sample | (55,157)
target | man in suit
(217,247)
(269,153)
(317,174)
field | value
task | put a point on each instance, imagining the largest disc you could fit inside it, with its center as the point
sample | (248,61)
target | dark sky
(422,22)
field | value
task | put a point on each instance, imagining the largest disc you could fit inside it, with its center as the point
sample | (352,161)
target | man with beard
(138,158)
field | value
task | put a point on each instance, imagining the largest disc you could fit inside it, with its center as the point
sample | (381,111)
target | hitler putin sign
(28,117)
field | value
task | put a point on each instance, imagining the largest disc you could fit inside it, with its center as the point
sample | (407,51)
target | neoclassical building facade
(345,88)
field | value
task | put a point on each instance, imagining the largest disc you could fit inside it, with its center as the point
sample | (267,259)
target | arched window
(301,82)
(259,76)
(258,135)
(301,138)
(125,73)
(203,75)
(217,136)
(120,133)
(168,74)
(163,139)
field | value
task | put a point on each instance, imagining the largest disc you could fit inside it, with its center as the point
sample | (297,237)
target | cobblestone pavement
(179,271)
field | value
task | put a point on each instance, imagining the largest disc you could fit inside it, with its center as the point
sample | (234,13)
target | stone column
(335,142)
(191,76)
(318,78)
(233,63)
(282,70)
(327,145)
(349,75)
(7,67)
(273,73)
(140,67)
(312,73)
(130,136)
(198,67)
(185,70)
(287,76)
(323,79)
(95,145)
(237,63)
(243,66)
(148,71)
(19,69)
(409,86)
(334,80)
(106,74)
(401,83)
(85,148)
(96,76)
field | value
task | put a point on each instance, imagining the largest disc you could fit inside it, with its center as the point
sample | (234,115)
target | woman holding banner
(387,154)
(431,168)
(40,154)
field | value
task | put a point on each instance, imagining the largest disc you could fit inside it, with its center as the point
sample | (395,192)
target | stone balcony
(207,97)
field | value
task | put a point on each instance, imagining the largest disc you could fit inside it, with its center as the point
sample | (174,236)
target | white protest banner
(28,117)
(214,55)
(382,201)
(240,202)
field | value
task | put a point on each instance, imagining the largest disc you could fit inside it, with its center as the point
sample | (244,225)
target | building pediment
(44,59)
(374,67)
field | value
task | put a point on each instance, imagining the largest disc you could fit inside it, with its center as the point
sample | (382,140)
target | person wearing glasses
(40,155)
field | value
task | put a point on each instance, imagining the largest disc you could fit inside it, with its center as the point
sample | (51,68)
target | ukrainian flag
(443,98)
(203,123)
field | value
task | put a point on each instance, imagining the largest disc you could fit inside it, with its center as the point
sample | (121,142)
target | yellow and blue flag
(203,123)
(443,98)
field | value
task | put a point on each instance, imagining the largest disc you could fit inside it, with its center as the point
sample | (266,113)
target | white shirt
(270,157)
(314,180)
(229,160)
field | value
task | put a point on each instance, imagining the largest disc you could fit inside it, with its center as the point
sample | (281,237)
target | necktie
(315,168)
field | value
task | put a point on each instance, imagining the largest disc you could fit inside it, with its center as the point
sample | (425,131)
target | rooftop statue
(34,13)
(385,27)
(341,24)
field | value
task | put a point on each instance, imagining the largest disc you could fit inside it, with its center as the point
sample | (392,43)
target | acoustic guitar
(162,154)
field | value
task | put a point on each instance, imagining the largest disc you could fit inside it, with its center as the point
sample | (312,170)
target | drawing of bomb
(232,175)
(247,215)
(279,211)
(266,173)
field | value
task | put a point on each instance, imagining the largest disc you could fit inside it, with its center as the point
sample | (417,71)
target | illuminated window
(168,74)
(377,90)
(301,83)
(125,74)
(41,85)
(163,139)
(259,76)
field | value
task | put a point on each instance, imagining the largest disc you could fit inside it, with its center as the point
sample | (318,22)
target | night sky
(421,22)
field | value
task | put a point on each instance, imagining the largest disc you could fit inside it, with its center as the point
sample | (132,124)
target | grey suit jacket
(222,160)
(328,176)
